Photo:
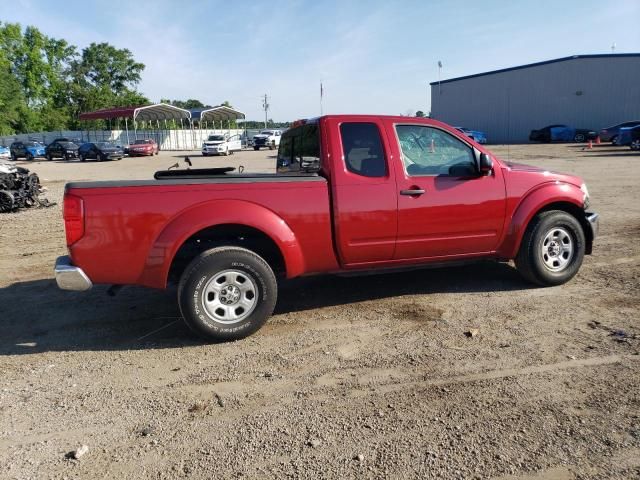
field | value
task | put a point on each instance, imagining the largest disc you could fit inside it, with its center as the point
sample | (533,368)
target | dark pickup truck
(352,193)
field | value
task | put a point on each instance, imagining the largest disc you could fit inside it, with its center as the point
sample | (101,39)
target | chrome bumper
(70,277)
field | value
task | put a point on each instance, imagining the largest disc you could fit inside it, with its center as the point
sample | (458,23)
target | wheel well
(579,215)
(227,235)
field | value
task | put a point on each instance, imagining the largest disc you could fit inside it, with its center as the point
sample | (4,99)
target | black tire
(49,157)
(614,140)
(530,260)
(256,148)
(29,157)
(206,269)
(579,137)
(82,158)
(635,145)
(14,157)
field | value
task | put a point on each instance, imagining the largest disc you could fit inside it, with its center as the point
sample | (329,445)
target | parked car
(610,134)
(144,146)
(100,151)
(221,145)
(267,138)
(61,149)
(562,133)
(476,135)
(382,192)
(29,150)
(626,136)
(5,153)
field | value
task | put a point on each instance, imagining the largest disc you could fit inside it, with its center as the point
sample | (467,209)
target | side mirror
(486,164)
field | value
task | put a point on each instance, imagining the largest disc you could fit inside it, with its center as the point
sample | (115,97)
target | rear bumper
(70,277)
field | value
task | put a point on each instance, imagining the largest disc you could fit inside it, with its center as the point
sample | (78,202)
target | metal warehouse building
(583,91)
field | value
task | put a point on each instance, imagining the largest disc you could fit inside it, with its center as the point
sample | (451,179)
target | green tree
(104,77)
(420,114)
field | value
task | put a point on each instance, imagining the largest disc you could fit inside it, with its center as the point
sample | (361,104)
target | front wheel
(29,157)
(552,249)
(579,138)
(635,145)
(227,293)
(256,148)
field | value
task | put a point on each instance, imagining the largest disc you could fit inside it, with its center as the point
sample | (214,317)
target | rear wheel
(49,157)
(82,158)
(256,148)
(29,156)
(635,145)
(614,140)
(579,137)
(227,293)
(552,249)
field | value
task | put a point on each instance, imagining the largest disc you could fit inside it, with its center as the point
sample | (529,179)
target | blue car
(5,153)
(475,135)
(29,150)
(627,135)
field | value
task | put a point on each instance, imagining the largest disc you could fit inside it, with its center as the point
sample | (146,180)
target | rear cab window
(299,149)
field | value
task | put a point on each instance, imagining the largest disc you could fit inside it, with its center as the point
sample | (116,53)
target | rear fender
(210,214)
(534,202)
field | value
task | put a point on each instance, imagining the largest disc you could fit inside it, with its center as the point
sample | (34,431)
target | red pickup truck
(351,193)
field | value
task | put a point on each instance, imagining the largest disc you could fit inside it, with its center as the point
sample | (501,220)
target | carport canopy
(216,114)
(159,111)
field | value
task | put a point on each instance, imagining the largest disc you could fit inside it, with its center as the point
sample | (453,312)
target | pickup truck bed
(353,192)
(138,226)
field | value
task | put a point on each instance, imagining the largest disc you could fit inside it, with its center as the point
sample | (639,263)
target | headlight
(585,195)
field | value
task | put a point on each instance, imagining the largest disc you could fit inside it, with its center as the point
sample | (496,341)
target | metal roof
(221,112)
(537,64)
(159,111)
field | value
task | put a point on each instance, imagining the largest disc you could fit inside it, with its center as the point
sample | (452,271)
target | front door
(445,207)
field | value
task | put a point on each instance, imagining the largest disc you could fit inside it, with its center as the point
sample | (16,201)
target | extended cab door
(364,194)
(445,207)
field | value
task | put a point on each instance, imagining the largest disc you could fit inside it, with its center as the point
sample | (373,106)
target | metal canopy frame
(221,113)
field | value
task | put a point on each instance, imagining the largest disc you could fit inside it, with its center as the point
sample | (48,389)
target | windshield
(33,144)
(216,138)
(141,142)
(266,132)
(105,145)
(67,145)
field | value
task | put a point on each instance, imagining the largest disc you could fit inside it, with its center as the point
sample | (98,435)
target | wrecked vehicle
(19,189)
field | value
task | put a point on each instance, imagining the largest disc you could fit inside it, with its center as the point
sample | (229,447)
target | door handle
(413,192)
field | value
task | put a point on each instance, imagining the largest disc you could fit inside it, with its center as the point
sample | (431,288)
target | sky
(371,56)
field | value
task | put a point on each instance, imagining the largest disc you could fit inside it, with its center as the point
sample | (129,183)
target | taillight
(73,213)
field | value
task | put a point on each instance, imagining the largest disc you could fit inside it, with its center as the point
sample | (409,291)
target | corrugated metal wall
(581,92)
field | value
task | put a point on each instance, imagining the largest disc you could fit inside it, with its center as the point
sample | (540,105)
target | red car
(352,193)
(143,147)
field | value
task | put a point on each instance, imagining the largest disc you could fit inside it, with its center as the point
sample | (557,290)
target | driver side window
(431,151)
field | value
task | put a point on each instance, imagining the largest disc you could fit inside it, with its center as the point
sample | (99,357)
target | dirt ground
(369,377)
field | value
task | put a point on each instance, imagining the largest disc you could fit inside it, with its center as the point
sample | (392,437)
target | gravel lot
(369,377)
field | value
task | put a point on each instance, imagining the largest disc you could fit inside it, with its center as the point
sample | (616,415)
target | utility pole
(439,71)
(265,107)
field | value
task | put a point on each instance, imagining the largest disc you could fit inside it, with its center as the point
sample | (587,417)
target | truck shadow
(38,317)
